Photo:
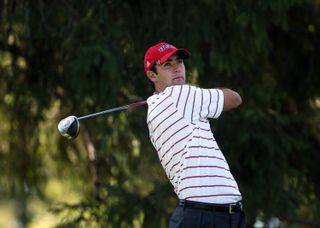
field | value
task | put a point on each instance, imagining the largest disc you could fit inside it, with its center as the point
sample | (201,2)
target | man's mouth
(178,78)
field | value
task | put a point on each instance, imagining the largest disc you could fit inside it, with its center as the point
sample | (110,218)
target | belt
(230,208)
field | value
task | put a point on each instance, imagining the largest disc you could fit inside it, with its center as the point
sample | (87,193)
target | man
(180,132)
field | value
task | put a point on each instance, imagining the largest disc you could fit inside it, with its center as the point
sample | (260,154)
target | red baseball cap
(160,53)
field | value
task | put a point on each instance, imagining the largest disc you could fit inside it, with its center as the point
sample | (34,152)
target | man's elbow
(232,99)
(237,99)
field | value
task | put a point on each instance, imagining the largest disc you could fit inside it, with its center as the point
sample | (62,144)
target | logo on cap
(165,46)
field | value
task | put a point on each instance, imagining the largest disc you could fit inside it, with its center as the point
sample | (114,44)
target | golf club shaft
(135,104)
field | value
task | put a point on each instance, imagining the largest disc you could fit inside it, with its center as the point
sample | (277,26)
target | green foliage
(77,57)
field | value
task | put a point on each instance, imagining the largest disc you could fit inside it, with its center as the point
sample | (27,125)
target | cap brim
(183,53)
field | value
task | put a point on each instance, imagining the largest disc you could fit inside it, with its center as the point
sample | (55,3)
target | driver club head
(69,127)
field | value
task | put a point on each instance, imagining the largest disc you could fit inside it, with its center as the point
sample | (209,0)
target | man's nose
(176,67)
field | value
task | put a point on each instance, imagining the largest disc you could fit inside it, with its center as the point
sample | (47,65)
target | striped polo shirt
(180,132)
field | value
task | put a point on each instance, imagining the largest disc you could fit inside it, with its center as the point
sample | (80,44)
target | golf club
(69,127)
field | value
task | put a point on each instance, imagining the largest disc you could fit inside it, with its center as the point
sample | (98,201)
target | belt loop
(183,203)
(241,206)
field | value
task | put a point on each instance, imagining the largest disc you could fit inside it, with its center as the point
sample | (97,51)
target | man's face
(171,72)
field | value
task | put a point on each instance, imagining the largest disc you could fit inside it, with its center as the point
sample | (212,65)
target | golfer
(208,195)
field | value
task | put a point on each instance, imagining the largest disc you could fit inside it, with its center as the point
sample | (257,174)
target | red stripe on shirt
(205,166)
(207,176)
(206,147)
(205,156)
(201,104)
(185,105)
(205,138)
(217,103)
(174,145)
(174,165)
(213,195)
(203,129)
(179,96)
(208,186)
(159,104)
(194,99)
(174,134)
(178,171)
(184,153)
(176,153)
(160,112)
(167,127)
(164,119)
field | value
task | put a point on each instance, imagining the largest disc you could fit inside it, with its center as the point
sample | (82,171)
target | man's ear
(152,76)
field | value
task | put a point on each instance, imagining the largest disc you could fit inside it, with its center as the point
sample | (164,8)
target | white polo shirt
(180,132)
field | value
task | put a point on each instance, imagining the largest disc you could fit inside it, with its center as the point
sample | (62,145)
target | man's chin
(178,81)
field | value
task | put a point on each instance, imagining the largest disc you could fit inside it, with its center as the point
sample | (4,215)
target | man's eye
(167,64)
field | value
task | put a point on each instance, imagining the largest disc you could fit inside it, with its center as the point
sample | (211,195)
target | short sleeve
(212,101)
(197,103)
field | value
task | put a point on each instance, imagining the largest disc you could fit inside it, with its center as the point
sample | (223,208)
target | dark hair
(153,68)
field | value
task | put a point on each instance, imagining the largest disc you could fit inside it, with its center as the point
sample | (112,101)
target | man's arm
(231,99)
